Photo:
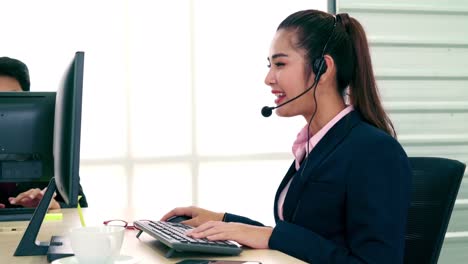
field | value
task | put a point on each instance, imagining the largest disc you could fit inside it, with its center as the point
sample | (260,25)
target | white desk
(146,248)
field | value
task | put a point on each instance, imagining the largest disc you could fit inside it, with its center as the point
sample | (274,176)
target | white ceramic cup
(97,244)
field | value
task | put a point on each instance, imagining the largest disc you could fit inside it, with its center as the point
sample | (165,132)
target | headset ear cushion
(318,67)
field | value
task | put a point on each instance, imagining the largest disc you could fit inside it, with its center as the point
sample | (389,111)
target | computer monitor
(67,131)
(66,146)
(26,126)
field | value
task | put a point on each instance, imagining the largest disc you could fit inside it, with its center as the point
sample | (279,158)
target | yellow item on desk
(53,217)
(83,224)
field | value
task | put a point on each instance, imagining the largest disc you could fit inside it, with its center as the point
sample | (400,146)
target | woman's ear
(322,68)
(330,71)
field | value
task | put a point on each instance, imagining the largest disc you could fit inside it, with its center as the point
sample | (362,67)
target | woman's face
(287,76)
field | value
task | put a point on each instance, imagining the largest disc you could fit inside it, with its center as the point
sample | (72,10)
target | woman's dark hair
(16,69)
(349,49)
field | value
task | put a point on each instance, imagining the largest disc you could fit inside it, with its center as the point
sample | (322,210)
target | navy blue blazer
(348,203)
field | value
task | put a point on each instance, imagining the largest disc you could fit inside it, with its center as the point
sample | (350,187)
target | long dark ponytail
(349,49)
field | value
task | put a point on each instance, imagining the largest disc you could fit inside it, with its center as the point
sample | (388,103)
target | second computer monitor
(26,128)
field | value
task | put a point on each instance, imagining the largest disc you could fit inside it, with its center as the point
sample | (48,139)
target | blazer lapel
(325,146)
(287,177)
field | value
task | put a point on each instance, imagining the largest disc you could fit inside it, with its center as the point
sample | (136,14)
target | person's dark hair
(16,69)
(349,49)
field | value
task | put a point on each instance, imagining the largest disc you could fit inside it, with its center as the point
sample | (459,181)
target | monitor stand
(29,246)
(58,247)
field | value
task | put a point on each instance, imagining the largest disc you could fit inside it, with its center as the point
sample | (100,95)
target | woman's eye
(279,64)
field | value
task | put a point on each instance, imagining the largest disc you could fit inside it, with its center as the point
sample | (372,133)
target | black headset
(320,66)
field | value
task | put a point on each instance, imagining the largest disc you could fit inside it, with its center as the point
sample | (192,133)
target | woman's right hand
(198,215)
(32,197)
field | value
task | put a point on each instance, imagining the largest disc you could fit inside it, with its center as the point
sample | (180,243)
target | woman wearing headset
(345,197)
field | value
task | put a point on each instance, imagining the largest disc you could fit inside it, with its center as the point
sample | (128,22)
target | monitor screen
(26,129)
(66,152)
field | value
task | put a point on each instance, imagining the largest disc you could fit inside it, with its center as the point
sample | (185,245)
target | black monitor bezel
(67,142)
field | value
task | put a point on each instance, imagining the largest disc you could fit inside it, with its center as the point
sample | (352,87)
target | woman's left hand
(248,235)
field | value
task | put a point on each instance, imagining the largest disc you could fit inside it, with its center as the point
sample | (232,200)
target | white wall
(420,54)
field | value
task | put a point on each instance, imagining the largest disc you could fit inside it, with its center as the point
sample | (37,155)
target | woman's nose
(269,78)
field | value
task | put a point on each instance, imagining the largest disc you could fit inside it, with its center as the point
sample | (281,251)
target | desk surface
(147,249)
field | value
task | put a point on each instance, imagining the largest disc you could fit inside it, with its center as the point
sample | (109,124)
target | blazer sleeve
(377,200)
(240,219)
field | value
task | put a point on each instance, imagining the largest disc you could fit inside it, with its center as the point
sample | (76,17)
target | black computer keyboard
(173,235)
(16,214)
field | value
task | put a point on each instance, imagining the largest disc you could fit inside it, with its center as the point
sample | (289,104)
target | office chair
(435,187)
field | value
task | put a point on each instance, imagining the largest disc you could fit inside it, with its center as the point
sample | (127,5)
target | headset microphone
(267,110)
